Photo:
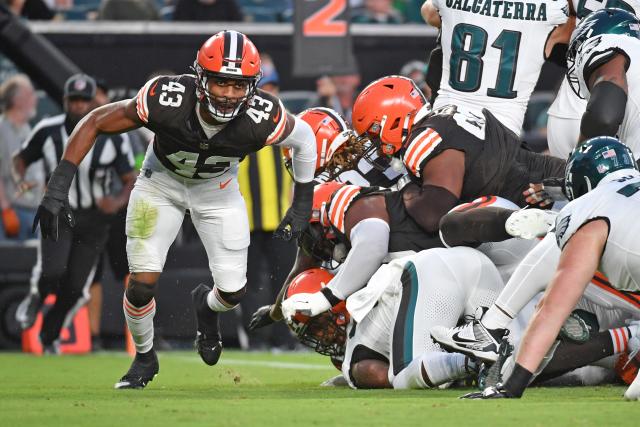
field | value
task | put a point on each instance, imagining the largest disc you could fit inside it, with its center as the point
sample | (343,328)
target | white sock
(440,368)
(530,278)
(495,318)
(216,303)
(140,323)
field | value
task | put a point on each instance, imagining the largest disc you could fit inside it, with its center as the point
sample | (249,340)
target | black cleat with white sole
(472,339)
(208,339)
(143,369)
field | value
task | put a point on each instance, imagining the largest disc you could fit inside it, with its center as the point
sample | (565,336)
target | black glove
(56,201)
(261,318)
(494,392)
(297,217)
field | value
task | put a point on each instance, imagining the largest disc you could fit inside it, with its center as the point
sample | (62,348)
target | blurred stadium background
(123,42)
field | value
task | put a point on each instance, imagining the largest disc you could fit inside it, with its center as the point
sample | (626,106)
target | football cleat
(530,223)
(143,369)
(52,349)
(496,392)
(27,310)
(208,339)
(472,339)
(633,392)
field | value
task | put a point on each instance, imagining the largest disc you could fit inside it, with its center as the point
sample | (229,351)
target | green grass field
(259,389)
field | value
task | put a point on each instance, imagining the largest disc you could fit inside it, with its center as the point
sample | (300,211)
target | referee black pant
(68,265)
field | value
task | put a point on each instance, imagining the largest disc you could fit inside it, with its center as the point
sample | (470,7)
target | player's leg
(220,217)
(530,277)
(562,135)
(435,291)
(154,216)
(42,285)
(89,236)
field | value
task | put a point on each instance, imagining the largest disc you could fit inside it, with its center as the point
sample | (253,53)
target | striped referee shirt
(110,154)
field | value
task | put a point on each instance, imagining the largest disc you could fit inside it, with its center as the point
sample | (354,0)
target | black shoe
(96,344)
(52,349)
(143,368)
(208,339)
(28,310)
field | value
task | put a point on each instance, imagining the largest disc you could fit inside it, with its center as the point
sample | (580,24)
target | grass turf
(262,389)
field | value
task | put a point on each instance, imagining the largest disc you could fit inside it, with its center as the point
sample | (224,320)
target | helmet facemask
(326,333)
(223,109)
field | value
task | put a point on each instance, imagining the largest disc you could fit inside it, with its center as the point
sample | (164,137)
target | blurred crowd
(362,11)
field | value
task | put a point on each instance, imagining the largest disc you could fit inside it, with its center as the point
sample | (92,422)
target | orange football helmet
(327,332)
(331,131)
(227,55)
(385,109)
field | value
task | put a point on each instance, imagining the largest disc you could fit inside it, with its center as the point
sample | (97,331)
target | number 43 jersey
(493,52)
(167,106)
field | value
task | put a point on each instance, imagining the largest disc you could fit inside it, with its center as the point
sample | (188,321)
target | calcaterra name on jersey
(502,9)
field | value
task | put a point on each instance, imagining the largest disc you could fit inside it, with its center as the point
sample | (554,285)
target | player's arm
(367,225)
(607,104)
(473,227)
(558,42)
(371,373)
(299,137)
(112,118)
(116,117)
(430,14)
(268,314)
(578,263)
(442,179)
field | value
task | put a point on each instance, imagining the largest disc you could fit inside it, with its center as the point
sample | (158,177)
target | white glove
(530,223)
(307,304)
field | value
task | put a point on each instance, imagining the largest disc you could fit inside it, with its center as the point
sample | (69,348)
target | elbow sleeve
(605,110)
(475,226)
(427,205)
(302,142)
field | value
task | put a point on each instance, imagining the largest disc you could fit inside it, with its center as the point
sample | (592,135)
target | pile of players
(430,279)
(415,222)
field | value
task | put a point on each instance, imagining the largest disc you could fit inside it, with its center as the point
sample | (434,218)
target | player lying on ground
(595,230)
(204,125)
(387,342)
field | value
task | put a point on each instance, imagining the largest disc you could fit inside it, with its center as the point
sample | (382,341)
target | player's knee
(232,298)
(370,374)
(140,294)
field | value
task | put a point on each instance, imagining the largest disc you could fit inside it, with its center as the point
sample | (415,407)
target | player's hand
(297,217)
(494,392)
(55,202)
(48,215)
(307,304)
(261,318)
(543,194)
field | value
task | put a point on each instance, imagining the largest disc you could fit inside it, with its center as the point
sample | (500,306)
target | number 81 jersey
(493,53)
(167,106)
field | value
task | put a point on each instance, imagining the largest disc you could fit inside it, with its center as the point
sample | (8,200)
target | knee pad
(232,298)
(140,294)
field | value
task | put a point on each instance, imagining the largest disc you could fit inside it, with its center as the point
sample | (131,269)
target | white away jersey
(595,51)
(493,52)
(618,201)
(567,104)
